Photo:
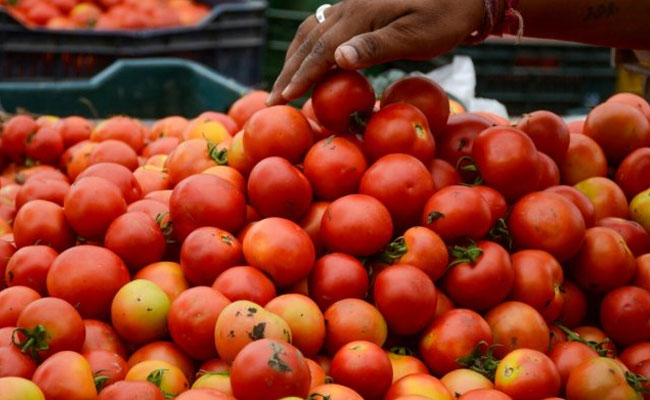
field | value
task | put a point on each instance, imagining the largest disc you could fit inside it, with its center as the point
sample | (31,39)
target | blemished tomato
(424,94)
(341,99)
(579,200)
(192,157)
(106,364)
(334,167)
(567,356)
(118,175)
(625,315)
(278,189)
(167,275)
(364,367)
(513,169)
(207,252)
(101,336)
(399,128)
(584,159)
(305,320)
(451,337)
(12,302)
(337,276)
(269,369)
(405,365)
(406,297)
(517,325)
(16,388)
(126,390)
(167,352)
(419,384)
(53,190)
(14,362)
(353,319)
(139,311)
(485,394)
(481,275)
(65,375)
(618,128)
(191,320)
(242,322)
(356,224)
(14,135)
(44,222)
(443,174)
(608,199)
(402,184)
(88,277)
(526,374)
(205,200)
(169,378)
(29,267)
(311,222)
(635,354)
(548,131)
(549,222)
(457,138)
(600,378)
(549,172)
(604,261)
(242,109)
(278,131)
(633,174)
(457,212)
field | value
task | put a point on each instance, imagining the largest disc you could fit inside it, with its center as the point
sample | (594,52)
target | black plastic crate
(230,40)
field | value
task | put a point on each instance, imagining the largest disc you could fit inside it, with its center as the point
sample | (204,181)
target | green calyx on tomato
(220,156)
(637,382)
(469,254)
(99,381)
(167,228)
(35,340)
(156,377)
(434,216)
(501,234)
(358,122)
(402,351)
(318,396)
(394,250)
(467,164)
(481,360)
(598,347)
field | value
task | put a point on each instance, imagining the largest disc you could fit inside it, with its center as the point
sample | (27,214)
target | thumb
(368,49)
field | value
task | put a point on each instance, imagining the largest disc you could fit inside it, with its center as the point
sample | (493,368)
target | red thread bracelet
(495,23)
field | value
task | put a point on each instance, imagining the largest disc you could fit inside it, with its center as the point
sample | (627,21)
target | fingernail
(288,91)
(270,99)
(348,53)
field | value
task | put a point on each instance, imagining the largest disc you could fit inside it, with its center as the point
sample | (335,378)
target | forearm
(614,23)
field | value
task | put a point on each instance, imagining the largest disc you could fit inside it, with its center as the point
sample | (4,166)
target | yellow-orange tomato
(524,372)
(212,131)
(78,158)
(463,380)
(230,175)
(13,388)
(191,157)
(170,378)
(607,197)
(139,311)
(404,364)
(215,380)
(157,161)
(419,384)
(304,318)
(640,209)
(332,391)
(237,156)
(317,373)
(167,275)
(164,351)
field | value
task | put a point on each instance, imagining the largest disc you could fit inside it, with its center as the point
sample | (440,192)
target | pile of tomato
(106,14)
(352,249)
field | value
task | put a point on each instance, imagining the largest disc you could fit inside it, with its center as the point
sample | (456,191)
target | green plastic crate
(142,88)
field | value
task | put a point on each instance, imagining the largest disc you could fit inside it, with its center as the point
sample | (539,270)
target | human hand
(358,34)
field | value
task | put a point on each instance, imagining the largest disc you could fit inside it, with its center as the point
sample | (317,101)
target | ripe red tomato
(496,201)
(101,336)
(421,248)
(192,157)
(74,129)
(118,175)
(579,200)
(113,151)
(14,362)
(171,126)
(278,189)
(311,223)
(207,252)
(457,139)
(549,172)
(45,145)
(596,335)
(633,100)
(406,297)
(51,325)
(480,276)
(205,200)
(132,232)
(13,301)
(424,94)
(337,276)
(356,224)
(584,159)
(245,283)
(402,184)
(64,376)
(443,173)
(44,189)
(452,337)
(643,370)
(456,212)
(618,128)
(353,319)
(164,146)
(14,135)
(625,315)
(191,320)
(507,160)
(334,167)
(43,222)
(125,129)
(549,222)
(600,378)
(166,352)
(548,131)
(364,367)
(106,364)
(242,109)
(29,267)
(126,390)
(399,128)
(567,356)
(269,369)
(517,325)
(341,99)
(527,374)
(608,199)
(633,174)
(635,354)
(280,248)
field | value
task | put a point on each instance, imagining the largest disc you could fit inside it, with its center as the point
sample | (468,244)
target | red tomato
(29,267)
(584,159)
(12,302)
(364,367)
(457,139)
(51,325)
(14,362)
(205,200)
(548,131)
(517,325)
(633,100)
(353,319)
(456,212)
(114,151)
(64,376)
(118,175)
(608,199)
(74,129)
(549,172)
(305,320)
(480,275)
(643,370)
(207,252)
(279,131)
(418,384)
(45,145)
(443,173)
(280,248)
(576,126)
(625,315)
(164,146)
(599,337)
(507,160)
(204,394)
(527,374)
(618,128)
(269,369)
(278,189)
(101,336)
(241,110)
(337,276)
(245,283)
(356,224)
(106,364)
(125,129)
(14,135)
(151,207)
(191,321)
(443,305)
(635,236)
(635,354)
(579,200)
(132,232)
(192,157)
(600,378)
(497,203)
(424,94)
(334,167)
(311,223)
(461,381)
(171,126)
(169,378)
(549,222)
(453,337)
(421,248)
(341,99)
(633,174)
(41,221)
(127,390)
(406,297)
(567,356)
(7,250)
(399,128)
(44,189)
(167,275)
(167,352)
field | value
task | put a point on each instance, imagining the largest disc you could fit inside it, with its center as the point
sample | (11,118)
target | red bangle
(495,23)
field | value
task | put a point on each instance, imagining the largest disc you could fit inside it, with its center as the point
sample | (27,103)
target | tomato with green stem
(603,379)
(107,367)
(164,351)
(421,248)
(66,375)
(569,355)
(168,378)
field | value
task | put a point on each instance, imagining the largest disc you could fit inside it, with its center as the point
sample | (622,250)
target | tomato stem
(481,360)
(501,234)
(469,254)
(637,381)
(394,250)
(99,381)
(220,156)
(598,347)
(35,340)
(402,351)
(156,377)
